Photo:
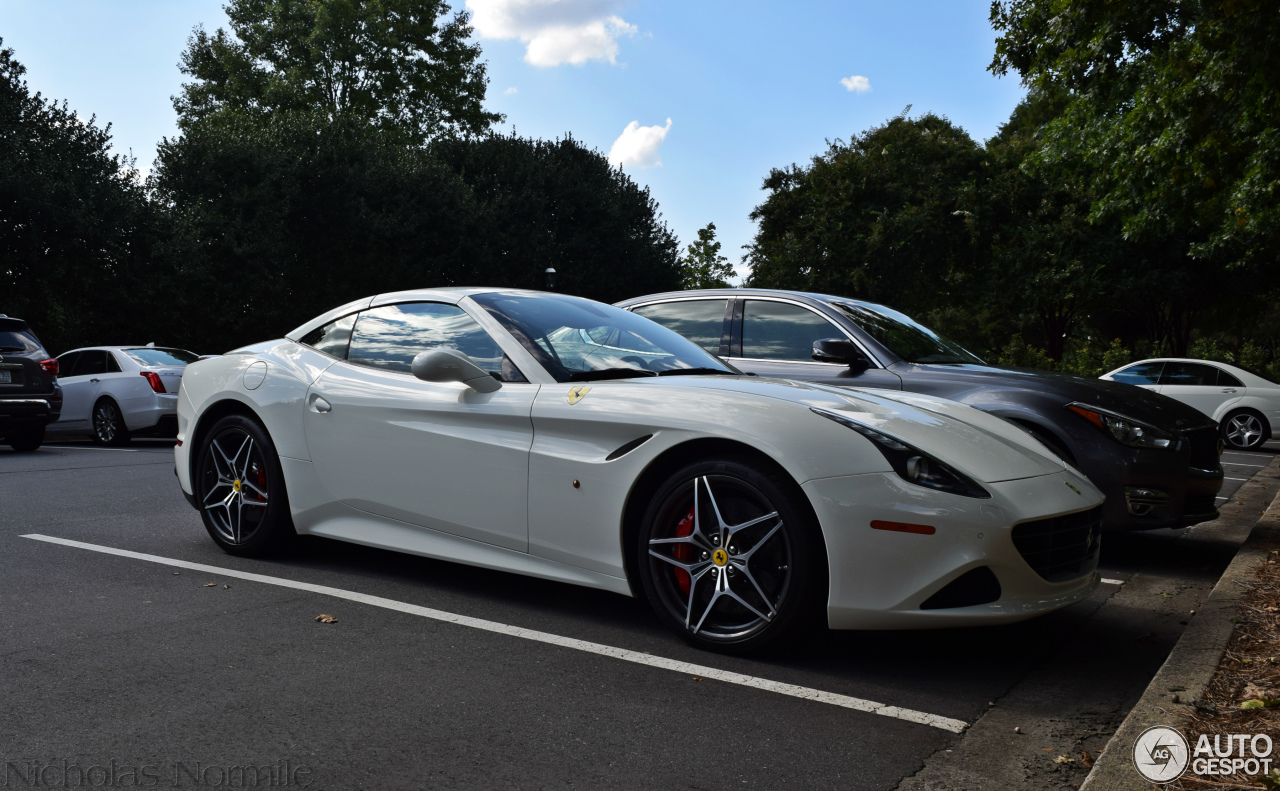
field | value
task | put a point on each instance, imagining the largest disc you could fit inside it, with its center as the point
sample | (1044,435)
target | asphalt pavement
(188,676)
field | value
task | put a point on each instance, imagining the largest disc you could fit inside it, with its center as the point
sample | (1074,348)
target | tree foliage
(1174,106)
(75,225)
(702,265)
(397,65)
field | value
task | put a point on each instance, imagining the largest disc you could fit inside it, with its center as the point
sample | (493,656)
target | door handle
(1228,389)
(95,380)
(320,405)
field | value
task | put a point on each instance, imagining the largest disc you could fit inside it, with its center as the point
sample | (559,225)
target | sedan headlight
(1125,430)
(911,464)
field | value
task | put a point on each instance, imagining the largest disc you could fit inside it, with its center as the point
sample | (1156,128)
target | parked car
(1245,405)
(30,397)
(113,393)
(561,438)
(1157,460)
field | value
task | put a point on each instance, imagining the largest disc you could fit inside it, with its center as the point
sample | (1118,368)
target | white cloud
(856,84)
(512,90)
(638,146)
(554,31)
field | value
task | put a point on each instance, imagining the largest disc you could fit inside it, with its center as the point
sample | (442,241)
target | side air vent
(630,446)
(976,586)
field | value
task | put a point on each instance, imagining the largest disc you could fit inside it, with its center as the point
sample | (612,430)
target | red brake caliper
(262,480)
(683,552)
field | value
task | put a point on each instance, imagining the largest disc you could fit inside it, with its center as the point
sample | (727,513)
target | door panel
(1195,385)
(438,455)
(80,388)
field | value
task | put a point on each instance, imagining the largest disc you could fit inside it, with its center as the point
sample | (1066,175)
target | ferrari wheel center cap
(236,484)
(719,557)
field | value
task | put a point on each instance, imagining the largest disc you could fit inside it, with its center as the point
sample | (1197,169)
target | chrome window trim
(871,357)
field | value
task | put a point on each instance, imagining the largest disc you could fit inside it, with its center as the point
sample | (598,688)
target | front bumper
(881,579)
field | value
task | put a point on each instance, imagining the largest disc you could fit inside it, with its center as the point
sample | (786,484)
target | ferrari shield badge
(576,394)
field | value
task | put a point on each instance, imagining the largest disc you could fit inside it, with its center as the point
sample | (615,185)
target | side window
(1228,380)
(392,335)
(113,365)
(1188,374)
(67,364)
(90,363)
(778,331)
(1140,374)
(332,338)
(699,320)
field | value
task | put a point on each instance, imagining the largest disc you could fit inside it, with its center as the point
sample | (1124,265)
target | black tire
(108,427)
(26,439)
(237,469)
(741,592)
(1245,429)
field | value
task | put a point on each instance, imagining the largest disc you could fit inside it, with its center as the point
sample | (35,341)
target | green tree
(396,65)
(703,266)
(889,216)
(1173,103)
(75,225)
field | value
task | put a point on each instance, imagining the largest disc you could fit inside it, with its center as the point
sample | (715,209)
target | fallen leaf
(1166,595)
(209,585)
(1085,758)
(1064,759)
(1049,749)
(226,587)
(325,618)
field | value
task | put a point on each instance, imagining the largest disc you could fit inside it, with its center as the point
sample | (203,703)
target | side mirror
(840,350)
(451,365)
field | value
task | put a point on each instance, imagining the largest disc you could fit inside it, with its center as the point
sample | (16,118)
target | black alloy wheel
(108,424)
(240,488)
(729,559)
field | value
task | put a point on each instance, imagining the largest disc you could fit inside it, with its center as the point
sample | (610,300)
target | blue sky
(747,85)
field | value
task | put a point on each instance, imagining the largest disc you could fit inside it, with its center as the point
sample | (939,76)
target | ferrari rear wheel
(240,488)
(729,559)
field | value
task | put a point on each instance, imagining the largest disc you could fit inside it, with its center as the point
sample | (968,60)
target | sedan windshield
(577,340)
(914,343)
(154,356)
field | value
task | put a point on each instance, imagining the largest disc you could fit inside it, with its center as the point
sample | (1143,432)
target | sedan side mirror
(840,350)
(451,365)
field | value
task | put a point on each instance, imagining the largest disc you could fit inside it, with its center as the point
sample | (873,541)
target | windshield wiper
(609,373)
(695,371)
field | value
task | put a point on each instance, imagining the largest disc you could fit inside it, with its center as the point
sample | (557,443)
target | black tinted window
(1189,374)
(1228,380)
(778,331)
(392,335)
(902,335)
(67,364)
(332,338)
(113,366)
(1140,374)
(90,363)
(699,320)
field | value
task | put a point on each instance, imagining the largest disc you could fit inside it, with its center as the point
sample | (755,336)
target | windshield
(153,356)
(913,342)
(579,340)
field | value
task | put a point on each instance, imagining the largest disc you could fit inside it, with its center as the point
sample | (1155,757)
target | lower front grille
(1195,504)
(1203,444)
(1061,547)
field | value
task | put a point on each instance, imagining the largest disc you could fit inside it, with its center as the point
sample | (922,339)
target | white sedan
(570,440)
(114,392)
(1246,406)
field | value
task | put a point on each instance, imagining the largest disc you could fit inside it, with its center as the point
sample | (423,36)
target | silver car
(112,393)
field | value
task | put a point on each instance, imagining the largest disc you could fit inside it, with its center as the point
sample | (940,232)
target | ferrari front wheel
(240,488)
(730,558)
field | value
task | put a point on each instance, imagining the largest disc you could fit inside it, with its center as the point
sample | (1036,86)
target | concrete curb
(1193,660)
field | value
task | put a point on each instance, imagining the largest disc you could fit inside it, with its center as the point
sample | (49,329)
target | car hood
(1141,404)
(984,447)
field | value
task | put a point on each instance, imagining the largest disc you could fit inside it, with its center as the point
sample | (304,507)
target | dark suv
(1155,458)
(30,397)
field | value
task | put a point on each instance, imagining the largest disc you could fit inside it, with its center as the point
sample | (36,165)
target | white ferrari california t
(562,438)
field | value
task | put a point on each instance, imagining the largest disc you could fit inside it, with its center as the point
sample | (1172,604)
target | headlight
(912,465)
(1125,430)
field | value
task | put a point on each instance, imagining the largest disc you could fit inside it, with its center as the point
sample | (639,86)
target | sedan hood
(987,448)
(1135,402)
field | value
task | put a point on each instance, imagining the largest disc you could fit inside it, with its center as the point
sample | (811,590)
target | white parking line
(90,447)
(1238,464)
(1225,478)
(1106,581)
(857,704)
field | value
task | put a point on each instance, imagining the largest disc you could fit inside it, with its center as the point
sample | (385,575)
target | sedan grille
(1061,547)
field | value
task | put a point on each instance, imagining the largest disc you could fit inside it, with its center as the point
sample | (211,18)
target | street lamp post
(551,278)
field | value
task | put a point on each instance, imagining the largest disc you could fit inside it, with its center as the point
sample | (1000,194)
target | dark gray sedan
(1155,458)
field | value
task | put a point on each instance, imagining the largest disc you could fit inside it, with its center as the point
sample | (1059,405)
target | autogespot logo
(1160,754)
